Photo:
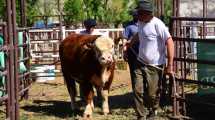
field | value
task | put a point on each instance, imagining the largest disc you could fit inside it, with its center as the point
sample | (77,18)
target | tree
(74,11)
(31,11)
(104,11)
(118,11)
(168,11)
(107,12)
(2,9)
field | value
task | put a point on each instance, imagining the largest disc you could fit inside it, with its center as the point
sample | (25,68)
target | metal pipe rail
(47,40)
(181,29)
(188,60)
(192,19)
(3,24)
(197,82)
(202,40)
(45,51)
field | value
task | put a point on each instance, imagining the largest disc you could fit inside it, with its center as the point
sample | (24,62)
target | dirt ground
(50,101)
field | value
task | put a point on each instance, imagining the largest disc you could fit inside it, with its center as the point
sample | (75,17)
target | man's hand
(125,56)
(169,69)
(125,49)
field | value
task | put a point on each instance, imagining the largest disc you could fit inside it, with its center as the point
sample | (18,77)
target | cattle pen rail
(194,40)
(44,46)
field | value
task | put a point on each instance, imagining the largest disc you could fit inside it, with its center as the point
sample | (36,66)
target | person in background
(154,39)
(90,25)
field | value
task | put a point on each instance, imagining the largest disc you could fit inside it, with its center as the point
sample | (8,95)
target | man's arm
(132,40)
(170,55)
(128,44)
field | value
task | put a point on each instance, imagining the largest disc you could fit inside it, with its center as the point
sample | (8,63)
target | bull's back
(71,53)
(73,44)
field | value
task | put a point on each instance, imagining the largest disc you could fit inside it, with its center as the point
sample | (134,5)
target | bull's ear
(84,39)
(87,41)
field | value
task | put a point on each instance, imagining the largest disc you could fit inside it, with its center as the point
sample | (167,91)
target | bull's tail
(71,87)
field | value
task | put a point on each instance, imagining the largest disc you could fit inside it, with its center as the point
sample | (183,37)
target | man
(154,38)
(90,25)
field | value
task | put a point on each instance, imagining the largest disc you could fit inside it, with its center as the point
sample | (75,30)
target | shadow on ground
(121,101)
(201,107)
(62,109)
(51,108)
(198,107)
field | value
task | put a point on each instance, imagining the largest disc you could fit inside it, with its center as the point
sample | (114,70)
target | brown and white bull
(88,60)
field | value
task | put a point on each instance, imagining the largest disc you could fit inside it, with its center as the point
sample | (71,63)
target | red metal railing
(186,36)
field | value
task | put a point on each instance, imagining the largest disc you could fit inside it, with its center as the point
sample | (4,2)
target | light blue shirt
(153,36)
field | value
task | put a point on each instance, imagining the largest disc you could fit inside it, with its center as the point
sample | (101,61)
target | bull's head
(106,47)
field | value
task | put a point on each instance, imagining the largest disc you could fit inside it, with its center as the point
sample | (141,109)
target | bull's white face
(106,46)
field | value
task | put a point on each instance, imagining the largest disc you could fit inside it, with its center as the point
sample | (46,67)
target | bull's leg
(105,105)
(109,76)
(99,97)
(92,104)
(88,94)
(72,97)
(105,92)
(71,87)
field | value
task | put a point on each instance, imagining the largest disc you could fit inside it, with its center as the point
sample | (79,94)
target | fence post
(63,29)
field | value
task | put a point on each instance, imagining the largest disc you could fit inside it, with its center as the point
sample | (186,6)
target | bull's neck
(105,74)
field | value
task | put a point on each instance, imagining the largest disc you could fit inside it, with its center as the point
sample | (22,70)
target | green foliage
(107,12)
(40,9)
(168,11)
(123,13)
(2,9)
(74,11)
(30,10)
(111,12)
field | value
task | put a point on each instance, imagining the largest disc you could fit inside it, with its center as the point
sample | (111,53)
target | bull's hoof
(92,105)
(105,114)
(87,117)
(106,111)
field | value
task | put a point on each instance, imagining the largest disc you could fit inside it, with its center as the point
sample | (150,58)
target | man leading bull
(154,39)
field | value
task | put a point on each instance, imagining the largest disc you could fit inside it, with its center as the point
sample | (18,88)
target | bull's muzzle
(106,59)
